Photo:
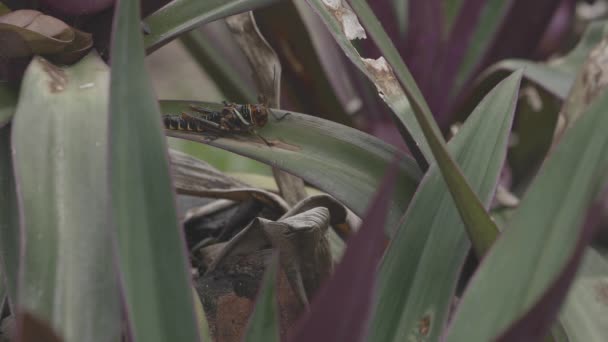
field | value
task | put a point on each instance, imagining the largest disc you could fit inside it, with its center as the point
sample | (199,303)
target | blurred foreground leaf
(150,245)
(60,153)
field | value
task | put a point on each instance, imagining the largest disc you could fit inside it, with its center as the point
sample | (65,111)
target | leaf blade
(62,191)
(482,230)
(142,207)
(184,15)
(540,231)
(422,265)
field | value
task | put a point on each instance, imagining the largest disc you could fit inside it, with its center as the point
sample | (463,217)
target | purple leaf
(535,324)
(341,309)
(423,42)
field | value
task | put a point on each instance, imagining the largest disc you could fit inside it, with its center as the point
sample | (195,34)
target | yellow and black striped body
(186,122)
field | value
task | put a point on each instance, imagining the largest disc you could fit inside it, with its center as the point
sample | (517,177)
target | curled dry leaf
(30,32)
(234,269)
(345,15)
(197,178)
(25,33)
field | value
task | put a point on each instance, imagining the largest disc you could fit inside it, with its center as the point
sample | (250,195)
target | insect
(233,118)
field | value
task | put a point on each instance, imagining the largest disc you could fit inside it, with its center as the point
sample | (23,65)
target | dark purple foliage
(341,309)
(78,7)
(435,54)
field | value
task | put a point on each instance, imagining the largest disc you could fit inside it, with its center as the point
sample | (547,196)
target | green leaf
(480,227)
(584,317)
(376,71)
(59,138)
(264,323)
(180,16)
(539,238)
(422,265)
(558,75)
(342,161)
(8,102)
(9,217)
(150,244)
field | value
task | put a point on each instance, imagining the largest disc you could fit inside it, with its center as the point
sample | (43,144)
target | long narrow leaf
(557,76)
(480,227)
(180,16)
(149,243)
(59,137)
(422,265)
(341,309)
(337,18)
(533,326)
(538,241)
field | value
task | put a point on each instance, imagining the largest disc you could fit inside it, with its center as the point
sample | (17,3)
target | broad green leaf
(180,16)
(422,265)
(9,217)
(149,242)
(264,322)
(539,238)
(340,22)
(584,317)
(344,162)
(480,227)
(59,138)
(8,101)
(556,76)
